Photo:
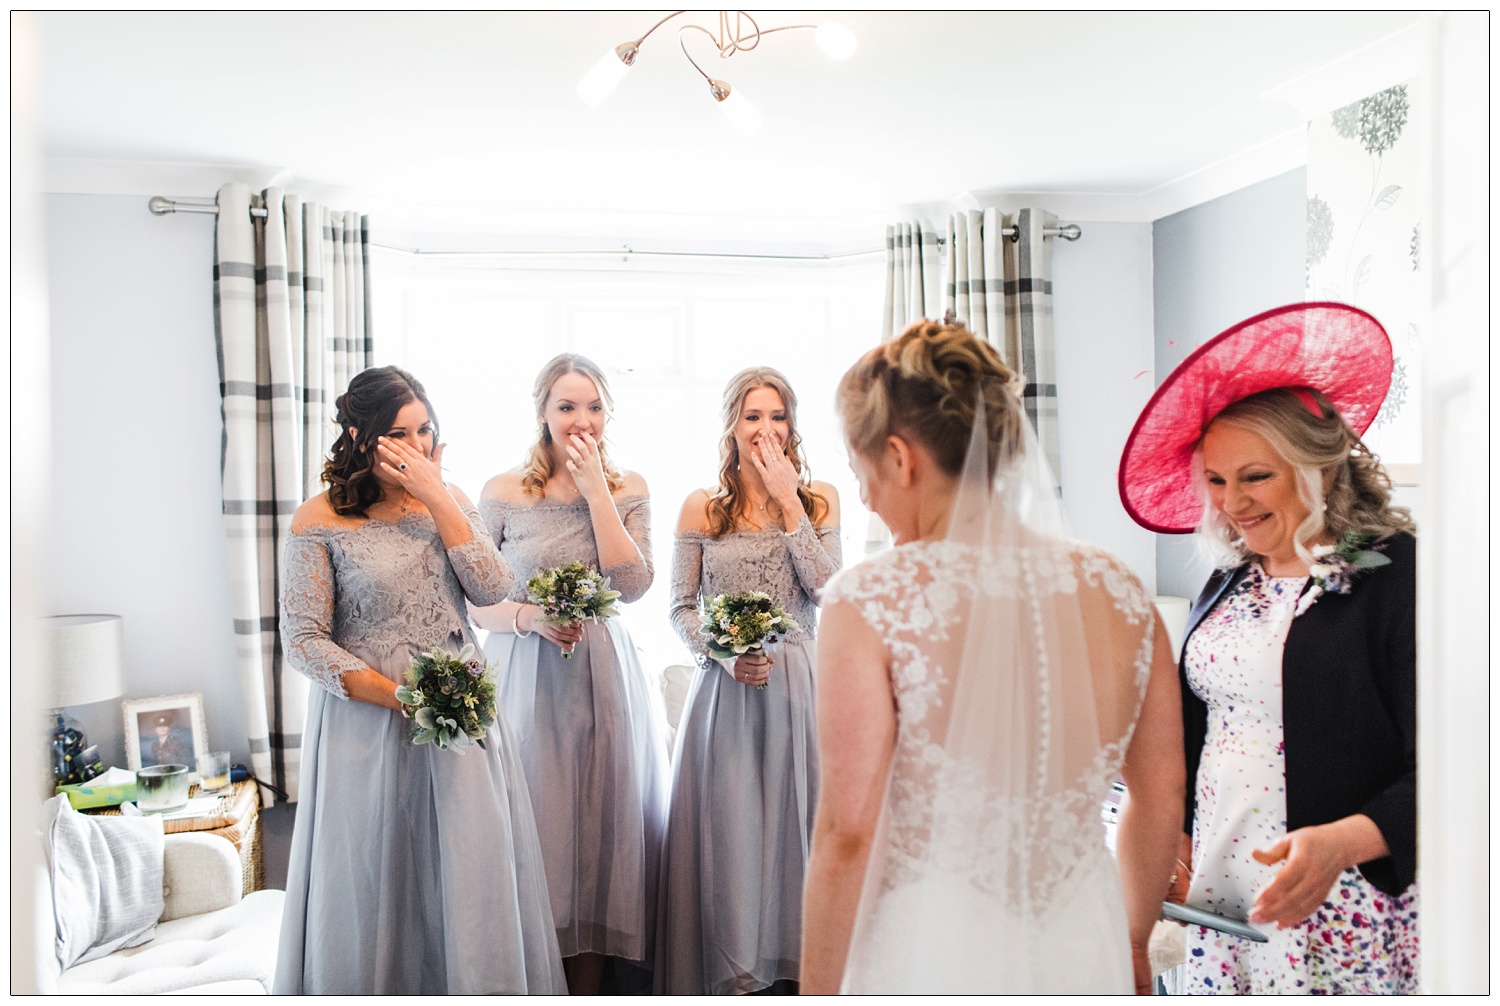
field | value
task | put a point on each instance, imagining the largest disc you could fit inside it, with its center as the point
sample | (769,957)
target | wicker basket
(236,818)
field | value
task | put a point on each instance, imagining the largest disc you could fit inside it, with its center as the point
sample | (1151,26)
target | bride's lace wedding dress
(1017,673)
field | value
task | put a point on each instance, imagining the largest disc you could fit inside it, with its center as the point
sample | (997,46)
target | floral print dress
(1362,940)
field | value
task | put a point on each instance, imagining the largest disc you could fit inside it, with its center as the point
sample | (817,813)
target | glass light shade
(598,82)
(835,39)
(87,659)
(741,114)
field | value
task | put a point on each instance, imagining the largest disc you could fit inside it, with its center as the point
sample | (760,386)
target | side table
(235,817)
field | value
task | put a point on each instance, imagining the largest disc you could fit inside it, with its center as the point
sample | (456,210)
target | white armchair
(210,939)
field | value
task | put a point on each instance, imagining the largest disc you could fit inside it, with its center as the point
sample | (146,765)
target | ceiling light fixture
(745,34)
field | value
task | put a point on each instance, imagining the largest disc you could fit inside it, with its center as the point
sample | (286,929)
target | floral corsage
(1334,566)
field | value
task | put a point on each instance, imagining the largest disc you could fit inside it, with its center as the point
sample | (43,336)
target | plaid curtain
(913,275)
(291,320)
(974,277)
(1002,289)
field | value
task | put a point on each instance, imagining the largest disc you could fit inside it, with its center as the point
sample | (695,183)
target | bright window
(477,329)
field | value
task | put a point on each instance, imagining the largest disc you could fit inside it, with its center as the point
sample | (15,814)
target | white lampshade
(88,663)
(599,81)
(835,39)
(741,114)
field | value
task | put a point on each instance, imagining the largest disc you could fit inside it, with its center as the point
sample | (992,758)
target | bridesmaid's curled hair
(538,468)
(368,408)
(923,385)
(726,505)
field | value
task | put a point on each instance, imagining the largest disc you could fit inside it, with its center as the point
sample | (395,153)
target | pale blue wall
(1213,265)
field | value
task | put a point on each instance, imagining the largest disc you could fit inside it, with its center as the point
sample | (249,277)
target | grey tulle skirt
(744,786)
(590,732)
(413,870)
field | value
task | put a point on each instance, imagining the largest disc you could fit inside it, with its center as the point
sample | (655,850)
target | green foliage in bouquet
(734,624)
(450,699)
(572,593)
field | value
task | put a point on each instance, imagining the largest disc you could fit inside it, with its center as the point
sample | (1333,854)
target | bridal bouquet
(450,699)
(741,623)
(572,593)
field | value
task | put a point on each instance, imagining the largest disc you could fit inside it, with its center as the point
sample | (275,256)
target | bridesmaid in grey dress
(745,772)
(413,870)
(588,726)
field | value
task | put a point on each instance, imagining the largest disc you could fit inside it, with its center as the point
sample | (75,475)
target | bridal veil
(989,871)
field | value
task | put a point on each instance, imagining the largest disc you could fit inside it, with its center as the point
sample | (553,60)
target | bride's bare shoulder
(884,574)
(1110,580)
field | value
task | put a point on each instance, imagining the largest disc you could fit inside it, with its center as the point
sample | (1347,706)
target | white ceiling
(469,121)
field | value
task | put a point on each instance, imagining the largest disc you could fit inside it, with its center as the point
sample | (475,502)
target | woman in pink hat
(1298,664)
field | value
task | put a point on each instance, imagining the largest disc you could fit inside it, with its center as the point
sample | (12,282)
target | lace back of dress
(1020,747)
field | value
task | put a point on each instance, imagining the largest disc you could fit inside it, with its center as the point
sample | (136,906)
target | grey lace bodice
(792,568)
(544,534)
(380,586)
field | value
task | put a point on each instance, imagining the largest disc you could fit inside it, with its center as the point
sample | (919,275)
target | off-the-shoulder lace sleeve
(633,577)
(817,554)
(687,577)
(483,573)
(307,614)
(492,511)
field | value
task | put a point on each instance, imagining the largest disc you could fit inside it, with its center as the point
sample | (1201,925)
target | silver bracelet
(515,623)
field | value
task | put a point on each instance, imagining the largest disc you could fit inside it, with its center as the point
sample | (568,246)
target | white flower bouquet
(450,699)
(740,623)
(572,593)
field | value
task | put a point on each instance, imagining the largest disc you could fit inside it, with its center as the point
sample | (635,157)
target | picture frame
(165,730)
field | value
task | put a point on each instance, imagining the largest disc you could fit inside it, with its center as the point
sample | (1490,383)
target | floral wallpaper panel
(1364,242)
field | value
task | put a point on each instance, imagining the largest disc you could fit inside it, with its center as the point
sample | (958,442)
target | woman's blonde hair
(539,466)
(923,386)
(1318,446)
(725,505)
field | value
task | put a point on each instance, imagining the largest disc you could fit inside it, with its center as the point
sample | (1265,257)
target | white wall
(1455,590)
(32,948)
(1102,309)
(135,454)
(1215,264)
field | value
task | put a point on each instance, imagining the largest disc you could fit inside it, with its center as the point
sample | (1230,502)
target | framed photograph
(165,731)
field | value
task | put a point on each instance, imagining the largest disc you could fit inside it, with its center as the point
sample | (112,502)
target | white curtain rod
(161,206)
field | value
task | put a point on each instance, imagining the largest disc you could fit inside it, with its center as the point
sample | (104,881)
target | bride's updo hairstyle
(369,406)
(922,386)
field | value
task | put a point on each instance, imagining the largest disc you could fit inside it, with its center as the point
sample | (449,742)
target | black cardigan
(1349,708)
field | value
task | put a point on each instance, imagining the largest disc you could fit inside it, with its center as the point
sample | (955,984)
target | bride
(979,686)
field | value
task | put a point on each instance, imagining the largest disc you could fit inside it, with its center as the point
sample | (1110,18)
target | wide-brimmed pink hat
(1335,348)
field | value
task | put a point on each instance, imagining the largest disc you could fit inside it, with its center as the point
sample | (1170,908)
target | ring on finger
(402,466)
